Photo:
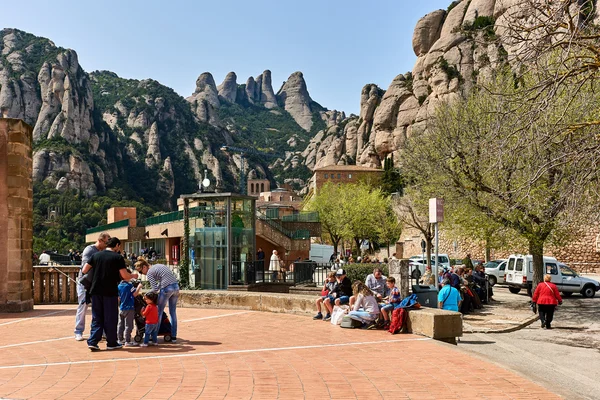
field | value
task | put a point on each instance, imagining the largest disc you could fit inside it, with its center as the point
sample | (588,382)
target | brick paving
(236,354)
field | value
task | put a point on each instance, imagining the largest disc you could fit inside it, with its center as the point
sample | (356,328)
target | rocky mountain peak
(205,99)
(296,100)
(228,89)
(263,93)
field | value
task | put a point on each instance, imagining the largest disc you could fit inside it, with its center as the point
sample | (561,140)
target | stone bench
(437,324)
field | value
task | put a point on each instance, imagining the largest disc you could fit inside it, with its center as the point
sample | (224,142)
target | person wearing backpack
(547,297)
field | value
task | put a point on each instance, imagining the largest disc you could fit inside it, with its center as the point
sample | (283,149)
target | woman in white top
(365,308)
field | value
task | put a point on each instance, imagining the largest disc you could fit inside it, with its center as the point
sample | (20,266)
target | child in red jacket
(546,297)
(150,312)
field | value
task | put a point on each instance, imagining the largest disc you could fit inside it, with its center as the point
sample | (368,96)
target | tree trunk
(487,249)
(335,240)
(429,241)
(536,249)
(358,250)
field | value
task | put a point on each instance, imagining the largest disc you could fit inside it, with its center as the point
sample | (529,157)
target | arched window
(252,188)
(262,187)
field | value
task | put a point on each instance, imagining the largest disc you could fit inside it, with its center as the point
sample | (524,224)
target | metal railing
(302,217)
(114,225)
(296,235)
(163,218)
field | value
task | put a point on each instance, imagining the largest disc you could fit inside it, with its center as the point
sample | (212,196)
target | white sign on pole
(436,210)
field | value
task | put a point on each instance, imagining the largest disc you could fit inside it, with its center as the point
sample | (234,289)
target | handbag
(324,292)
(86,281)
(533,307)
(337,315)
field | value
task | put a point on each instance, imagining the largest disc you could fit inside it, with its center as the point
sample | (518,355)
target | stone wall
(16,214)
(581,252)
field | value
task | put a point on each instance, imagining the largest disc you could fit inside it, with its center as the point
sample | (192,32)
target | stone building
(16,215)
(345,174)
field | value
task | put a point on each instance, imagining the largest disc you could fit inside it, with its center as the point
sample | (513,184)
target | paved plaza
(237,354)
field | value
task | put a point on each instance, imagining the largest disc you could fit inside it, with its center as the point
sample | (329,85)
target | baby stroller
(164,329)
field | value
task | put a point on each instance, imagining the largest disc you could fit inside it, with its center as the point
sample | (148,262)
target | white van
(320,253)
(519,275)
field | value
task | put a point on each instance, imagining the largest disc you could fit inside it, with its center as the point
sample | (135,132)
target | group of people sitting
(470,283)
(377,296)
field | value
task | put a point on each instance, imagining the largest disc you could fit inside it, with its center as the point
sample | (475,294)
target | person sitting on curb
(393,300)
(449,297)
(341,293)
(328,287)
(377,283)
(366,308)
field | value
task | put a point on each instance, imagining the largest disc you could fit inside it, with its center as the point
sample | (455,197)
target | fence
(51,287)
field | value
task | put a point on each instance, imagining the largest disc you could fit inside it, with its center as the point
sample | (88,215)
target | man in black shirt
(108,269)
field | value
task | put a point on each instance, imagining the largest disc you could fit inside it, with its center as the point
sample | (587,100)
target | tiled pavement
(235,354)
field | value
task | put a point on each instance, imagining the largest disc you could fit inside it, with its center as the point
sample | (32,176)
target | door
(519,271)
(510,270)
(570,281)
(552,270)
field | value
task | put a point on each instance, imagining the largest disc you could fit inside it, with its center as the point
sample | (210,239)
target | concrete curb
(520,326)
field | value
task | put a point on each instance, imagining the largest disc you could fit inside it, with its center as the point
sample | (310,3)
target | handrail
(295,235)
(302,217)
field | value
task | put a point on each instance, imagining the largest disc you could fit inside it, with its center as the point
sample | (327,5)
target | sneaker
(327,317)
(318,316)
(543,325)
(143,345)
(118,346)
(548,326)
(131,344)
(79,337)
(153,344)
(121,342)
(173,340)
(93,347)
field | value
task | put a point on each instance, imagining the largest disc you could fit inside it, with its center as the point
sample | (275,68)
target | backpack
(409,302)
(398,320)
(348,322)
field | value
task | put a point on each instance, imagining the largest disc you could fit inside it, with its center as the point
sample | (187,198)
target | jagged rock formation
(205,99)
(296,100)
(451,58)
(228,89)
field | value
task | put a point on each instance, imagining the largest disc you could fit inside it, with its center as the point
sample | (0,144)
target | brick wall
(16,213)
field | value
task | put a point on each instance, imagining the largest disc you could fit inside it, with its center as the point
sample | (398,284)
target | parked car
(495,271)
(443,260)
(417,266)
(519,275)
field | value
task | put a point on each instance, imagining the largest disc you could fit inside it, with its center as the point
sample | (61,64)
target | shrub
(359,272)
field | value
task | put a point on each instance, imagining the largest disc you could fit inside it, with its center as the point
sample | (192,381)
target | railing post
(37,286)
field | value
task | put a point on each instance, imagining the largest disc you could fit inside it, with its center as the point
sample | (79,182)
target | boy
(127,293)
(340,294)
(393,300)
(329,286)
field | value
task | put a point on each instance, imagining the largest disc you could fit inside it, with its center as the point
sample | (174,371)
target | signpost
(436,215)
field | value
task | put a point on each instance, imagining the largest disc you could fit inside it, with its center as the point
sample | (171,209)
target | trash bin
(427,295)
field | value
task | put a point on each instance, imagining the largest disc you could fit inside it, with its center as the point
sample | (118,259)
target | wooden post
(37,286)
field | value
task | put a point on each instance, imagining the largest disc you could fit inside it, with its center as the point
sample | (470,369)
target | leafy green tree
(532,171)
(328,202)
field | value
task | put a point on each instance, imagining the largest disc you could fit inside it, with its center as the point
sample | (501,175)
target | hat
(341,272)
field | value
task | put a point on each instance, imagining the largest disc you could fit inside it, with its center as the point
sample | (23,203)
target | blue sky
(339,45)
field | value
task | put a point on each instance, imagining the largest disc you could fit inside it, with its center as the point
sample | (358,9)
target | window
(566,271)
(511,264)
(252,188)
(349,176)
(551,269)
(502,266)
(339,176)
(326,176)
(519,265)
(262,187)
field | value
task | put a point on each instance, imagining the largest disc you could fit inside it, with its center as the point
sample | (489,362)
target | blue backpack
(409,302)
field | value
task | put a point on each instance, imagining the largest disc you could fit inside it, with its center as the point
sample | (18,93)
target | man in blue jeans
(165,283)
(82,298)
(108,269)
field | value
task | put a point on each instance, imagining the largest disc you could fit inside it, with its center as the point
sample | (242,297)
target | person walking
(82,298)
(547,297)
(165,283)
(108,269)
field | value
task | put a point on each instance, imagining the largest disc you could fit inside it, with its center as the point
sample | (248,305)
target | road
(565,360)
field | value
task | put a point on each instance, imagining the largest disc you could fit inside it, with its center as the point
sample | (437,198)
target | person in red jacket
(546,297)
